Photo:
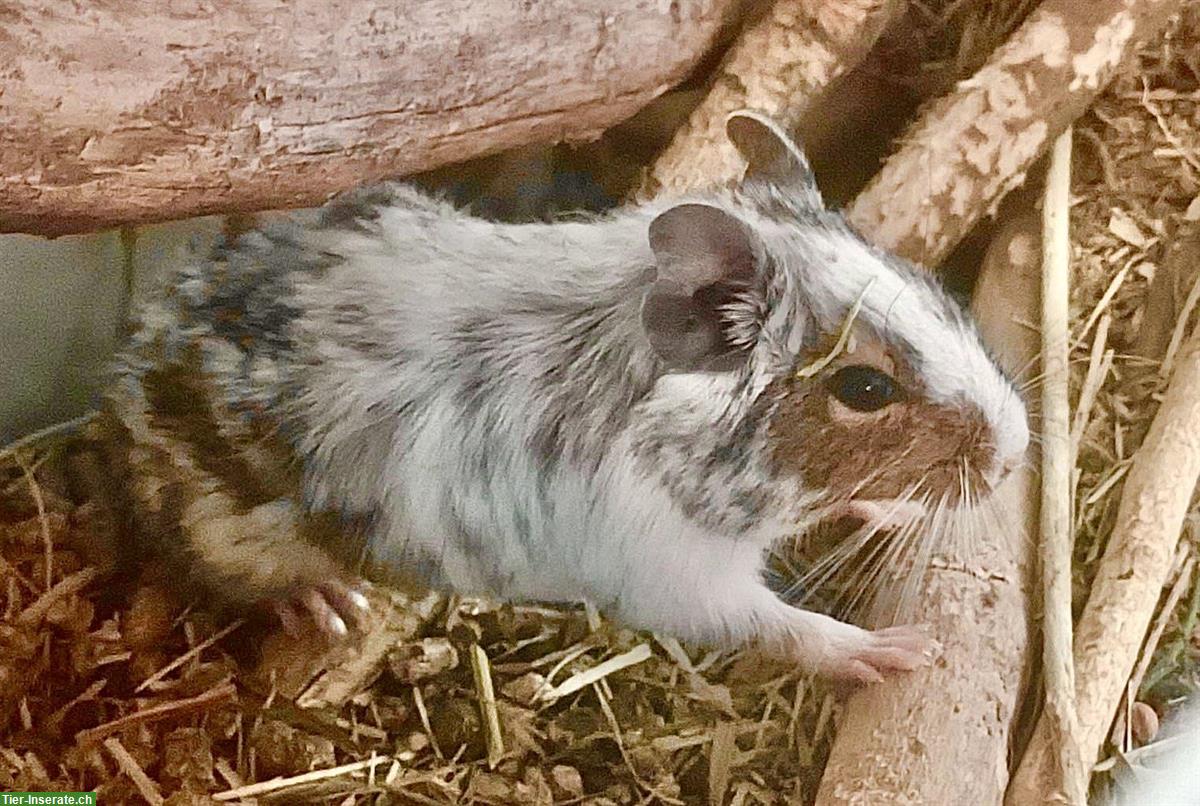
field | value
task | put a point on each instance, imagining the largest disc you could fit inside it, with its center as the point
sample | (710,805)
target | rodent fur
(557,411)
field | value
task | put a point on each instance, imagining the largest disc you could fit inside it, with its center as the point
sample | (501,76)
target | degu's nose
(1011,456)
(1012,441)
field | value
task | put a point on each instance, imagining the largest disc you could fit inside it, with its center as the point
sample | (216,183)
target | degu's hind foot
(260,557)
(334,608)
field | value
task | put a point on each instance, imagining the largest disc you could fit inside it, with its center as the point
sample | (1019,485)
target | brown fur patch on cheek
(879,455)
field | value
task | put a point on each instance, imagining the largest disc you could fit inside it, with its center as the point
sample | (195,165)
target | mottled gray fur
(484,398)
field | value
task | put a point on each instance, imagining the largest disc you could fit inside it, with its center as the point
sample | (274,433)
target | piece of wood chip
(217,694)
(276,785)
(720,762)
(128,764)
(1124,227)
(583,679)
(486,694)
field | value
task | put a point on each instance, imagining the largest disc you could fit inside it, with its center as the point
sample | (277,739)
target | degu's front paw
(334,608)
(866,656)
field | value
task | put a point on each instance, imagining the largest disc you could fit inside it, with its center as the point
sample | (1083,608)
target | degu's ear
(771,155)
(705,259)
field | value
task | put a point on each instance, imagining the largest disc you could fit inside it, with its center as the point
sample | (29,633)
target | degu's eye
(863,388)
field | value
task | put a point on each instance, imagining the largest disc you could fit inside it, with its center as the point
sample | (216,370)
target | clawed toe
(334,608)
(327,619)
(348,602)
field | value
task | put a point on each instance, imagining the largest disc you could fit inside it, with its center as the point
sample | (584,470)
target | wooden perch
(778,65)
(973,146)
(1058,670)
(117,113)
(1133,571)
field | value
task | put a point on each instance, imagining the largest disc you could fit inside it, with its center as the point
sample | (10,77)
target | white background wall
(61,303)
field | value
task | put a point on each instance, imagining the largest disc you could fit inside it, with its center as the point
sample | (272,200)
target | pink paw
(332,607)
(870,655)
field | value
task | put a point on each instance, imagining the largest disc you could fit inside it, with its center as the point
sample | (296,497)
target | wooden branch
(132,112)
(778,65)
(941,734)
(1070,782)
(1133,571)
(973,146)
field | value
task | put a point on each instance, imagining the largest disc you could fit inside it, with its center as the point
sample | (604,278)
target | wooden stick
(55,430)
(31,616)
(194,652)
(595,674)
(277,785)
(128,764)
(1070,784)
(1133,571)
(35,491)
(973,146)
(1183,581)
(777,66)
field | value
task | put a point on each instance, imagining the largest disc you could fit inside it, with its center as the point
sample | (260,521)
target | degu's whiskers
(878,576)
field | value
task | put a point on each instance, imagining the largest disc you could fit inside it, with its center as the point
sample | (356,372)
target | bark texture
(973,146)
(941,734)
(129,111)
(778,65)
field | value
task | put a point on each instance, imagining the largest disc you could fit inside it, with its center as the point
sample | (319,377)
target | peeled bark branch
(778,65)
(973,146)
(117,113)
(1057,465)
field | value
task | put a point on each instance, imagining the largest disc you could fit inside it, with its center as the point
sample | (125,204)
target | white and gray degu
(628,410)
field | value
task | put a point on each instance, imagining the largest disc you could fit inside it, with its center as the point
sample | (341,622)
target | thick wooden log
(129,111)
